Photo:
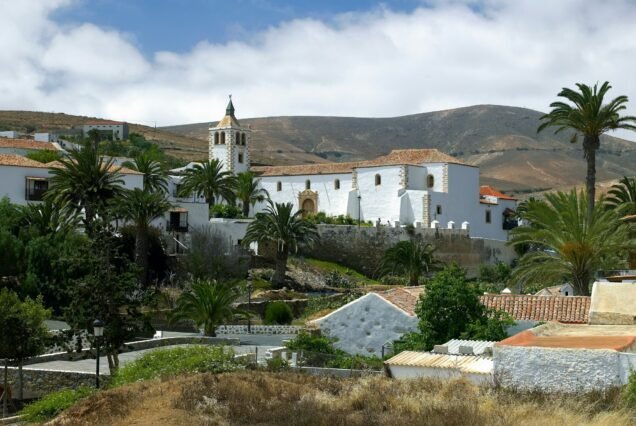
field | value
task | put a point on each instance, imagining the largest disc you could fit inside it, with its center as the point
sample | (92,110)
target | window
(430,181)
(336,184)
(243,139)
(438,209)
(240,158)
(216,138)
(307,184)
(279,186)
(222,138)
(488,216)
(35,188)
(378,180)
(178,221)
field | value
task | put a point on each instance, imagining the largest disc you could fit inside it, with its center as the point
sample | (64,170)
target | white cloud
(381,63)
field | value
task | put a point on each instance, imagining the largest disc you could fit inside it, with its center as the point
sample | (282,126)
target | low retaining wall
(297,306)
(338,372)
(40,382)
(561,369)
(258,329)
(135,346)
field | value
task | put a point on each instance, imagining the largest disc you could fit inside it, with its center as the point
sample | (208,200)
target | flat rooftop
(580,336)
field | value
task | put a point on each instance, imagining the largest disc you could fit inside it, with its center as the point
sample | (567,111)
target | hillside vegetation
(296,399)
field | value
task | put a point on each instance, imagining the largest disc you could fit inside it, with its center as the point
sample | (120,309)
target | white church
(420,187)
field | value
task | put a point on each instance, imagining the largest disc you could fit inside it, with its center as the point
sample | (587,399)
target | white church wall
(380,201)
(417,177)
(493,230)
(332,201)
(437,171)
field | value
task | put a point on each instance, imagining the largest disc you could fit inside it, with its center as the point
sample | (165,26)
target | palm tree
(46,219)
(281,226)
(249,192)
(142,207)
(208,304)
(565,243)
(409,258)
(84,182)
(155,176)
(209,179)
(623,196)
(590,118)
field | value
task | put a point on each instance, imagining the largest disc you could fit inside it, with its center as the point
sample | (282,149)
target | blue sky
(175,61)
(177,25)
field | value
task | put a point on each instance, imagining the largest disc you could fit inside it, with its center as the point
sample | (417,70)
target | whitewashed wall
(13,181)
(380,201)
(332,201)
(364,325)
(411,372)
(560,369)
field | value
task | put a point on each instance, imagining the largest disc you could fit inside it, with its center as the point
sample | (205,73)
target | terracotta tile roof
(26,144)
(528,338)
(113,168)
(486,190)
(397,157)
(568,309)
(404,298)
(20,161)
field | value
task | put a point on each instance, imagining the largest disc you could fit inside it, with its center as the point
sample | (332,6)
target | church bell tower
(229,142)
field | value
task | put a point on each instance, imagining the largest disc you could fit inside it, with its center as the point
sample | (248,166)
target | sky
(164,62)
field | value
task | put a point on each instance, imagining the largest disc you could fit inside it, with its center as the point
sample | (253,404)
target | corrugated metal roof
(479,346)
(465,364)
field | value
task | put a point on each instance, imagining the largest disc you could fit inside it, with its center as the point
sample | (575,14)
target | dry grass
(294,399)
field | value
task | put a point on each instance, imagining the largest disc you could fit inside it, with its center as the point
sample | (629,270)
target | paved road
(249,344)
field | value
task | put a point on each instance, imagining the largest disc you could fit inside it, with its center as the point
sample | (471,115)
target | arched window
(216,138)
(488,216)
(430,181)
(222,138)
(336,184)
(279,186)
(243,138)
(240,158)
(307,184)
(378,180)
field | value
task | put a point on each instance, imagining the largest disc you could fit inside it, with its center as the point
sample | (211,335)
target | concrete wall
(362,248)
(14,181)
(411,372)
(613,303)
(364,325)
(560,369)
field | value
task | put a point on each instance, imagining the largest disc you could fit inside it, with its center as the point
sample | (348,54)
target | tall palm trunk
(141,254)
(581,284)
(590,145)
(246,208)
(281,266)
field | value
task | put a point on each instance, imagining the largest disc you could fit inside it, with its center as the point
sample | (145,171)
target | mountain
(501,140)
(172,143)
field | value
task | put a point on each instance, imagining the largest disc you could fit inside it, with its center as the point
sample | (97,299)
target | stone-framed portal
(308,202)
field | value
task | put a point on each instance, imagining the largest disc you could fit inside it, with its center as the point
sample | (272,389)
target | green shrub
(278,313)
(174,361)
(225,211)
(337,280)
(318,351)
(53,404)
(629,392)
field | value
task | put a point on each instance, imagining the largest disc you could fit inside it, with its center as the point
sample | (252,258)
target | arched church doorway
(308,202)
(309,207)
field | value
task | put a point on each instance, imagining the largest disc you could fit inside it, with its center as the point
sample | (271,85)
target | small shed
(410,365)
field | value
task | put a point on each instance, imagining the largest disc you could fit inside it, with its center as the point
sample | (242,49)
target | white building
(115,129)
(229,142)
(11,134)
(421,187)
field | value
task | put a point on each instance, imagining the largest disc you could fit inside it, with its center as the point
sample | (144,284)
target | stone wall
(40,382)
(363,248)
(258,329)
(559,369)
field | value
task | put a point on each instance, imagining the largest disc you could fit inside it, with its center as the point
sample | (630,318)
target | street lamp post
(249,302)
(359,210)
(98,332)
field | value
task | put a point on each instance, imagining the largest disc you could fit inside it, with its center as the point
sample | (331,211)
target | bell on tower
(229,142)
